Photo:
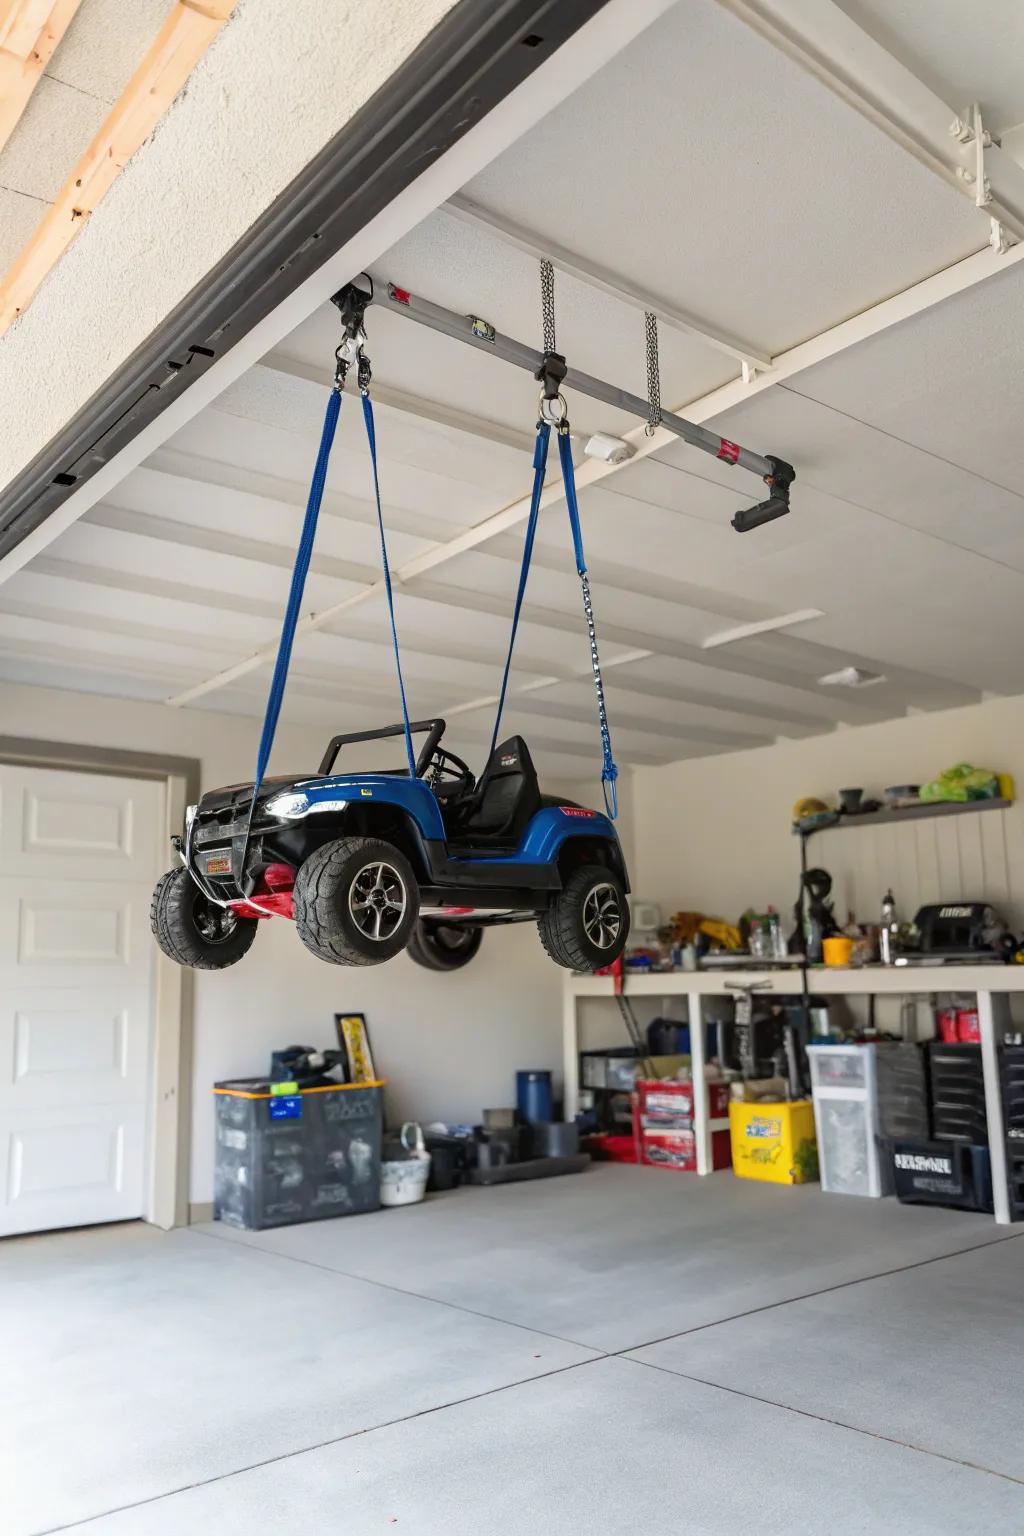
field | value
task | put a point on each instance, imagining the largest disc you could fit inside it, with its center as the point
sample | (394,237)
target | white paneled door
(79,855)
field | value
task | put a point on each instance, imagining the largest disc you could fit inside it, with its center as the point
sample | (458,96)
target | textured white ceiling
(966,53)
(703,166)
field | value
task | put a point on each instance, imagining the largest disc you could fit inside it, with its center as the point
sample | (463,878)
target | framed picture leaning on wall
(354,1039)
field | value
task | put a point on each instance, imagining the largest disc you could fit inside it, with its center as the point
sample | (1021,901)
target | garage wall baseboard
(200,1210)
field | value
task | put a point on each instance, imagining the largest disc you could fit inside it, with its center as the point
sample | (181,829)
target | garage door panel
(58,1166)
(93,932)
(58,1047)
(77,825)
(79,854)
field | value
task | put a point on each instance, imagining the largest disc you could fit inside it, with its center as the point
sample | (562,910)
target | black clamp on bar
(550,374)
(776,505)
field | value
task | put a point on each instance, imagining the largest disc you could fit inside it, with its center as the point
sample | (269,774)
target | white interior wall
(714,835)
(448,1045)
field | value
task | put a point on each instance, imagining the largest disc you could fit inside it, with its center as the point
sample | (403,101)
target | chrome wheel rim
(214,924)
(377,901)
(602,916)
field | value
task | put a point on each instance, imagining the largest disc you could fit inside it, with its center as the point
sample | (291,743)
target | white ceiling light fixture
(607,449)
(760,627)
(851,677)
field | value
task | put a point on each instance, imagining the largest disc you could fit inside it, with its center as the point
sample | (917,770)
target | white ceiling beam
(870,322)
(207,598)
(406,404)
(570,622)
(760,627)
(525,700)
(782,719)
(603,280)
(178,464)
(821,38)
(167,530)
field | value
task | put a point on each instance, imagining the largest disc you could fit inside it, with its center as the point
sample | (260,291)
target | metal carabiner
(555,418)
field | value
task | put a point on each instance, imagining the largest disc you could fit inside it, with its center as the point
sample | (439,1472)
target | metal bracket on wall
(970,129)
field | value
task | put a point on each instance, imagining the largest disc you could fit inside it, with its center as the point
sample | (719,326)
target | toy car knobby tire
(356,901)
(587,924)
(194,931)
(441,946)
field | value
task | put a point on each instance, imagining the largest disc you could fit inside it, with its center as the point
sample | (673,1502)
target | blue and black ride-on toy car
(368,864)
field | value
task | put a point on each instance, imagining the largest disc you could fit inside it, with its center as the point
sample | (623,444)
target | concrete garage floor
(623,1350)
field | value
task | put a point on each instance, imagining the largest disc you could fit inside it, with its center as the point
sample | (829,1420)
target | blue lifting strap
(609,771)
(540,461)
(299,574)
(371,438)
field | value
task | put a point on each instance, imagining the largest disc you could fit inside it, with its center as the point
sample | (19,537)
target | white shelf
(992,985)
(831,980)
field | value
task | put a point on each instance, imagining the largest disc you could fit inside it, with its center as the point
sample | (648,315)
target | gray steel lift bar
(776,473)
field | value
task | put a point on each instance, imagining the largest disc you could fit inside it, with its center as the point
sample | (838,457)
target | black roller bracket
(352,302)
(551,374)
(776,505)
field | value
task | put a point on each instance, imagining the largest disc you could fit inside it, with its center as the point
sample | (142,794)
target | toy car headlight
(287,806)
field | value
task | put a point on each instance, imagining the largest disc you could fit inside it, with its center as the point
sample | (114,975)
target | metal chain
(547,303)
(595,663)
(653,374)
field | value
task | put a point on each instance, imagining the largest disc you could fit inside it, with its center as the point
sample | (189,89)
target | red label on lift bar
(730,452)
(400,295)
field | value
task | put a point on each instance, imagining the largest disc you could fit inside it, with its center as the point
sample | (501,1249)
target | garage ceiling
(703,167)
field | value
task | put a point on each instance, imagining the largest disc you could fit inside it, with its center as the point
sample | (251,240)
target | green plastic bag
(960,784)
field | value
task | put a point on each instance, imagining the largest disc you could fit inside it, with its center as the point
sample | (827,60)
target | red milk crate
(677,1149)
(664,1102)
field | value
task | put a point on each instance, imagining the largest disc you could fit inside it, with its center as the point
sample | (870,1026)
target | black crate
(958,1093)
(1015,1177)
(283,1159)
(943,1173)
(1011,1077)
(901,1091)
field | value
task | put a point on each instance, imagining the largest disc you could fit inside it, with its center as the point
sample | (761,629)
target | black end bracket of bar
(776,505)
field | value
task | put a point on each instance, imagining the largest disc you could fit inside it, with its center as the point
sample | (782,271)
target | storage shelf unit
(992,984)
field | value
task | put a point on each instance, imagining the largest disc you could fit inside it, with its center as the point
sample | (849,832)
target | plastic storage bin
(943,1173)
(864,1097)
(282,1159)
(773,1142)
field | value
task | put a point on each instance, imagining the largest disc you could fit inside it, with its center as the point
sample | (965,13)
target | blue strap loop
(371,438)
(299,573)
(540,461)
(609,770)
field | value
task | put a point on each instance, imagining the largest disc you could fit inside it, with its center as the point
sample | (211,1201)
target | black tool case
(286,1158)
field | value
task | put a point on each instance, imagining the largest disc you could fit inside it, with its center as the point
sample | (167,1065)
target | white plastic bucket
(404,1181)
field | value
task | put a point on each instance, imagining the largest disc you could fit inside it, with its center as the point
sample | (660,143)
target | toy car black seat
(506,796)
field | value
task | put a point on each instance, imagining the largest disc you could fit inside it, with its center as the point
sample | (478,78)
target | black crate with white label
(943,1173)
(286,1158)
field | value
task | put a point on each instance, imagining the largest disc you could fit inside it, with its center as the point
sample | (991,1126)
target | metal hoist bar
(485,338)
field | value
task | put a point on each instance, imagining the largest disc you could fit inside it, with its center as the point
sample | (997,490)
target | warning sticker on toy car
(575,810)
(218,863)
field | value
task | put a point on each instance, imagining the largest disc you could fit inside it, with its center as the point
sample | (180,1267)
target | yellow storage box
(774,1141)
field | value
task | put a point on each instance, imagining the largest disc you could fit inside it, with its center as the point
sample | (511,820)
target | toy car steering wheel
(448,774)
